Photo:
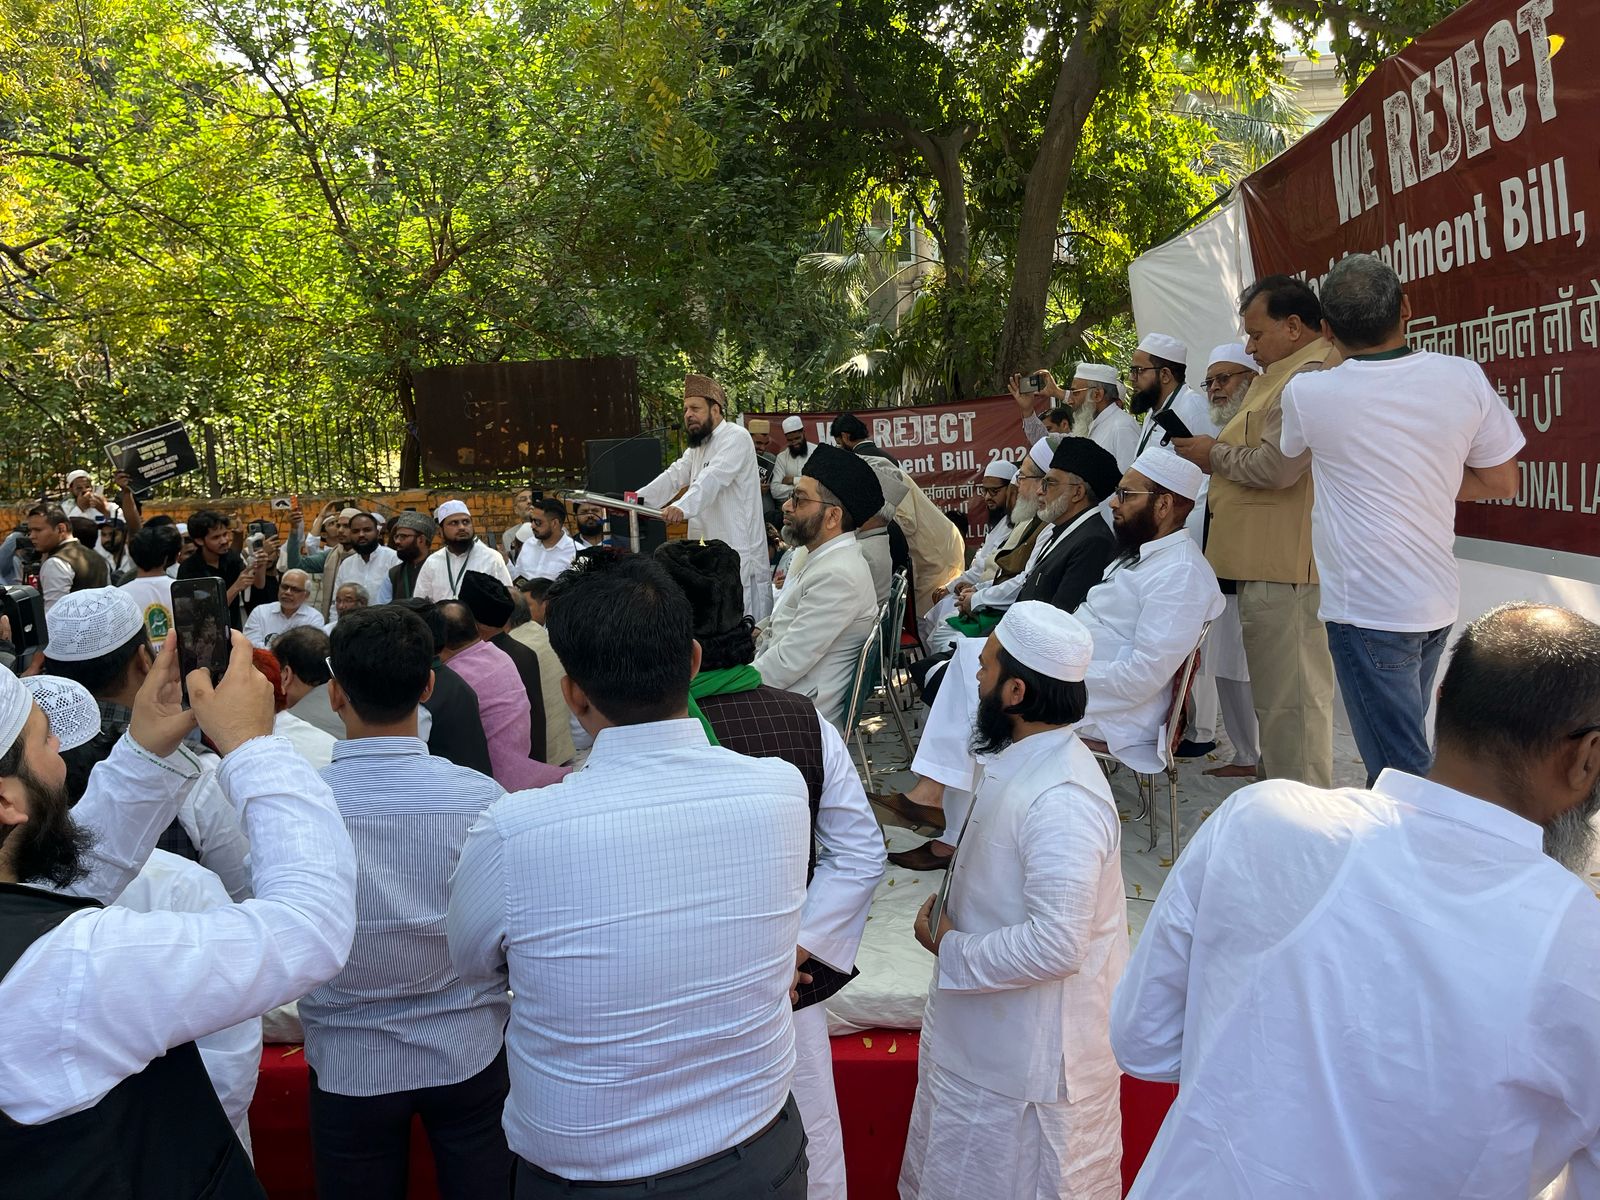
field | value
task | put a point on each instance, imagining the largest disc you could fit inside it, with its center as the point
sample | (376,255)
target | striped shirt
(397,1017)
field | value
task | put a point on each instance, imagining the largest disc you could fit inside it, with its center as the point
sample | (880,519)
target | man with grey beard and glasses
(1393,991)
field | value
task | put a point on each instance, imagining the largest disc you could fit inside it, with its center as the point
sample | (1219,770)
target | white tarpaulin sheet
(1189,287)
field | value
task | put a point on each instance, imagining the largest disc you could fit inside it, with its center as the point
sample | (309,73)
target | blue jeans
(1387,679)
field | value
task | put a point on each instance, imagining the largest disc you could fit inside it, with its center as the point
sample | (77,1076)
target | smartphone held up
(200,619)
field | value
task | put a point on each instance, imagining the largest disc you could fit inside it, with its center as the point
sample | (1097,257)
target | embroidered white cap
(451,508)
(73,714)
(793,425)
(1045,639)
(1001,469)
(87,624)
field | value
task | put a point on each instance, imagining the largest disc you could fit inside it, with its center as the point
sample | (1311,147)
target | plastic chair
(1167,751)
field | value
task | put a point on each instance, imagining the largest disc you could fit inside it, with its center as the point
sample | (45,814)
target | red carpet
(875,1075)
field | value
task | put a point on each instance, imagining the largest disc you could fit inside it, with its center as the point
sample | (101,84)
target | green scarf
(720,683)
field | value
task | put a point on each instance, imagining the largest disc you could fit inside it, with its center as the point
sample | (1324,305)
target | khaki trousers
(1291,676)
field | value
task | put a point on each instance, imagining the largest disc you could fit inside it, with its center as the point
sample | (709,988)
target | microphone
(655,431)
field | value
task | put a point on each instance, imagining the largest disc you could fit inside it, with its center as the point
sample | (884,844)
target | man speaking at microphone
(723,497)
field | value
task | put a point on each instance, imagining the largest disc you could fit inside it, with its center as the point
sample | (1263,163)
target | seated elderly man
(998,487)
(826,610)
(1145,618)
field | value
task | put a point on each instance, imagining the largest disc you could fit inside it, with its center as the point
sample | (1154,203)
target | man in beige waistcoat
(1260,536)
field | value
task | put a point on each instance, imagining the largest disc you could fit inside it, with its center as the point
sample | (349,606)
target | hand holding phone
(239,708)
(200,620)
(1171,425)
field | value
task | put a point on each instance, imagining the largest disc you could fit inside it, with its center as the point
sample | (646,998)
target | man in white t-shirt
(1397,438)
(154,549)
(551,549)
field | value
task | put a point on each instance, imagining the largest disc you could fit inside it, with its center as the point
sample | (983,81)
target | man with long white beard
(1097,413)
(1223,683)
(1017,1091)
(716,487)
(998,487)
(1393,991)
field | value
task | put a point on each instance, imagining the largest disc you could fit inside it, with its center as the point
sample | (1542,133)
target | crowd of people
(557,847)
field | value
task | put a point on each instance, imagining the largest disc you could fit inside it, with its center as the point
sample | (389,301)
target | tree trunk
(410,445)
(1079,83)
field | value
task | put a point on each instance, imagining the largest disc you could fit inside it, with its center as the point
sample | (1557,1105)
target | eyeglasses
(1211,381)
(797,499)
(288,589)
(993,491)
(1122,494)
(1051,483)
(328,661)
(1021,478)
(1135,372)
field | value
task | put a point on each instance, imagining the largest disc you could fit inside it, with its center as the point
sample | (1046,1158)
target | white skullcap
(793,425)
(1160,465)
(1002,470)
(1096,373)
(450,508)
(1232,352)
(1164,345)
(348,513)
(894,483)
(16,706)
(74,476)
(1043,451)
(73,714)
(1045,639)
(84,625)
(182,527)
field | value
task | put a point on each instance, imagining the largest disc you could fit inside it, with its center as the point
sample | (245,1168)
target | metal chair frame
(1147,781)
(868,675)
(891,618)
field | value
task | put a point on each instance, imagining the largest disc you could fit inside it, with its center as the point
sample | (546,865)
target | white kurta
(232,1056)
(371,573)
(1367,993)
(723,502)
(1018,1018)
(786,468)
(850,862)
(440,577)
(1144,619)
(267,622)
(1116,432)
(823,616)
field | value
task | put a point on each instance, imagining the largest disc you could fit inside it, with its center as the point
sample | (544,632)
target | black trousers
(361,1145)
(772,1163)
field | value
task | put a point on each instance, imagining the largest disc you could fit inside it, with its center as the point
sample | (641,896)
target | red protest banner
(1467,163)
(941,446)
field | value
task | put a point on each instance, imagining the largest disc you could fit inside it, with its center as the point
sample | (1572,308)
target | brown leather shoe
(922,858)
(908,810)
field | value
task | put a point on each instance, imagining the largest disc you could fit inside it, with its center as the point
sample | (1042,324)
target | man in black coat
(1079,545)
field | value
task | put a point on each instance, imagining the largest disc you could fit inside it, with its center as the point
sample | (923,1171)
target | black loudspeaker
(618,465)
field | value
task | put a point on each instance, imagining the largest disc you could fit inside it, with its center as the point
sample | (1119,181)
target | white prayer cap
(182,527)
(73,476)
(1000,469)
(73,714)
(1096,373)
(793,425)
(450,508)
(1164,345)
(87,624)
(351,513)
(1043,451)
(16,706)
(1160,465)
(1232,352)
(1045,639)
